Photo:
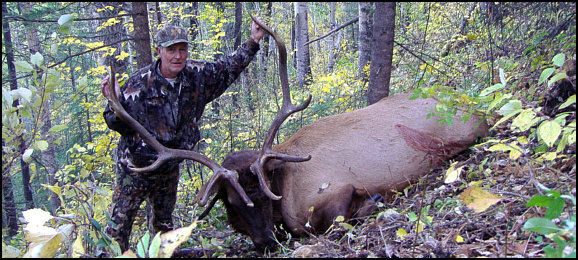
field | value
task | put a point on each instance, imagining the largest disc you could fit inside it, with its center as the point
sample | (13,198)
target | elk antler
(165,153)
(287,109)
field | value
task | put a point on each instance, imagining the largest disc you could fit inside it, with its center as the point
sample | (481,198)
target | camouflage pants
(159,188)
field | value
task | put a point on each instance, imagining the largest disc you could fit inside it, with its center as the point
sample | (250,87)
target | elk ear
(273,165)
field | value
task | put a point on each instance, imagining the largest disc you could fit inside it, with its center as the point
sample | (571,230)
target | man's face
(173,59)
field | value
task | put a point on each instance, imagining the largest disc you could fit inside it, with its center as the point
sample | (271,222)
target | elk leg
(347,200)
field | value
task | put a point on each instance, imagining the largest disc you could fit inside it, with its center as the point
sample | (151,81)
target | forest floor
(450,229)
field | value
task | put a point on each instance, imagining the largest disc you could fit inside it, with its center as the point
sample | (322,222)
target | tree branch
(334,30)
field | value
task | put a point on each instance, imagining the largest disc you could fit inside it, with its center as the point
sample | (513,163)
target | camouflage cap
(170,35)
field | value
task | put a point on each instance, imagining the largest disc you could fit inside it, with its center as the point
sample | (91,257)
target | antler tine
(165,153)
(287,109)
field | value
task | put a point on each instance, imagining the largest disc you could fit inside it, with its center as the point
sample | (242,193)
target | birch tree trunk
(365,38)
(302,36)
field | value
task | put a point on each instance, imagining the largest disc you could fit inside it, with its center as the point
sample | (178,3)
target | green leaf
(510,107)
(525,120)
(549,132)
(555,208)
(23,66)
(155,246)
(545,75)
(23,93)
(559,76)
(66,18)
(505,118)
(41,145)
(491,89)
(540,225)
(571,100)
(412,217)
(540,201)
(26,155)
(57,128)
(65,22)
(502,77)
(37,59)
(558,60)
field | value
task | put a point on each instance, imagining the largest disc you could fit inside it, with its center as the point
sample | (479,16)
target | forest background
(513,61)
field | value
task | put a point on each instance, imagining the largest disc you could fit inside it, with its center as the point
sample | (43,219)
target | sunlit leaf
(453,174)
(558,60)
(155,246)
(549,132)
(171,240)
(26,155)
(558,76)
(510,107)
(459,239)
(491,89)
(525,120)
(21,93)
(478,199)
(401,233)
(37,59)
(78,248)
(41,145)
(23,66)
(545,75)
(502,77)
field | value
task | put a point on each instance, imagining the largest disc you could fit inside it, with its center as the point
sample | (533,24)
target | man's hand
(256,31)
(105,88)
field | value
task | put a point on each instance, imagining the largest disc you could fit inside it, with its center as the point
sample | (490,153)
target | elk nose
(265,244)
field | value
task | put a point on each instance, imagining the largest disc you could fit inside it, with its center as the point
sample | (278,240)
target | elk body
(374,150)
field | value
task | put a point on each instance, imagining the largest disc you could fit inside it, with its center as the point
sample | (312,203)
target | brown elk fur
(374,150)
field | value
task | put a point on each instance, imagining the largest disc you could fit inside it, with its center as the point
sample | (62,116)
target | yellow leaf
(453,174)
(419,227)
(46,249)
(339,218)
(401,233)
(478,199)
(173,239)
(459,239)
(77,248)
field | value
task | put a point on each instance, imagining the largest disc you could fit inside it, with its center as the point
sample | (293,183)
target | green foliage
(563,234)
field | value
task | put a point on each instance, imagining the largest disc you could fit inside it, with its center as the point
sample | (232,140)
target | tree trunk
(9,215)
(49,155)
(365,39)
(142,38)
(194,24)
(238,23)
(383,32)
(335,39)
(301,37)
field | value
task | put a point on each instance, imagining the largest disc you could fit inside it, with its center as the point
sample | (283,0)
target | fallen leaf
(478,199)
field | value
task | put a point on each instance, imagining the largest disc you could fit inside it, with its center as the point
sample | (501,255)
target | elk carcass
(338,162)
